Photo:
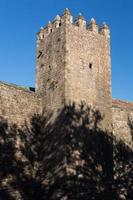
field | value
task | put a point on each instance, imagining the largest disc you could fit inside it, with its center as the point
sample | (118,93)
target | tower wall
(88,69)
(73,65)
(50,82)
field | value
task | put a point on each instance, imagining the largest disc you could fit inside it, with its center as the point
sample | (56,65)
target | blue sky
(21,19)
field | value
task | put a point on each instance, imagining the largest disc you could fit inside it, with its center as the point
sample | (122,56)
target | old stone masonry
(64,156)
(72,65)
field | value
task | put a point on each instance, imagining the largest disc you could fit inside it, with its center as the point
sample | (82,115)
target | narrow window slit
(90,65)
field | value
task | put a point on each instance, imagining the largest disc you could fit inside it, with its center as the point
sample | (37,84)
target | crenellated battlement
(67,19)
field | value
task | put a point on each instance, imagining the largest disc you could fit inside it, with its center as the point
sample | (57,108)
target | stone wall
(73,64)
(88,69)
(17,104)
(122,114)
(50,69)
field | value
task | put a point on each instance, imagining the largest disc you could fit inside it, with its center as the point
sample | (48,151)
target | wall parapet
(124,105)
(80,22)
(122,114)
(26,89)
(18,104)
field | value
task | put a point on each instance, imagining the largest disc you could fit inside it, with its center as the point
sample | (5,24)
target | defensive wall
(122,113)
(65,73)
(73,65)
(17,104)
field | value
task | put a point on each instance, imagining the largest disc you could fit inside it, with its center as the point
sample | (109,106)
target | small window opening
(90,65)
(60,24)
(49,67)
(51,30)
(58,40)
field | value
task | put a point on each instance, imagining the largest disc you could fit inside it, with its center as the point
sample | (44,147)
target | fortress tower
(73,64)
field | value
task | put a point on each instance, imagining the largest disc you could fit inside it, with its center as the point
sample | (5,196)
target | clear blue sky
(21,19)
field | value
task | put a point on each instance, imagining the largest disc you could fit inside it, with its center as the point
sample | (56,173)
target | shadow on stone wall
(71,158)
(123,167)
(123,171)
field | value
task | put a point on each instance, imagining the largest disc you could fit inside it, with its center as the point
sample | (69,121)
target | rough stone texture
(17,104)
(50,69)
(88,70)
(73,65)
(122,113)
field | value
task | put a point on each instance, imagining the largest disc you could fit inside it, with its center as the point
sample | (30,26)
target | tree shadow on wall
(123,167)
(123,171)
(78,156)
(70,158)
(21,162)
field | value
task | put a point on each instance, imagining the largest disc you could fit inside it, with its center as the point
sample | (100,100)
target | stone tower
(73,64)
